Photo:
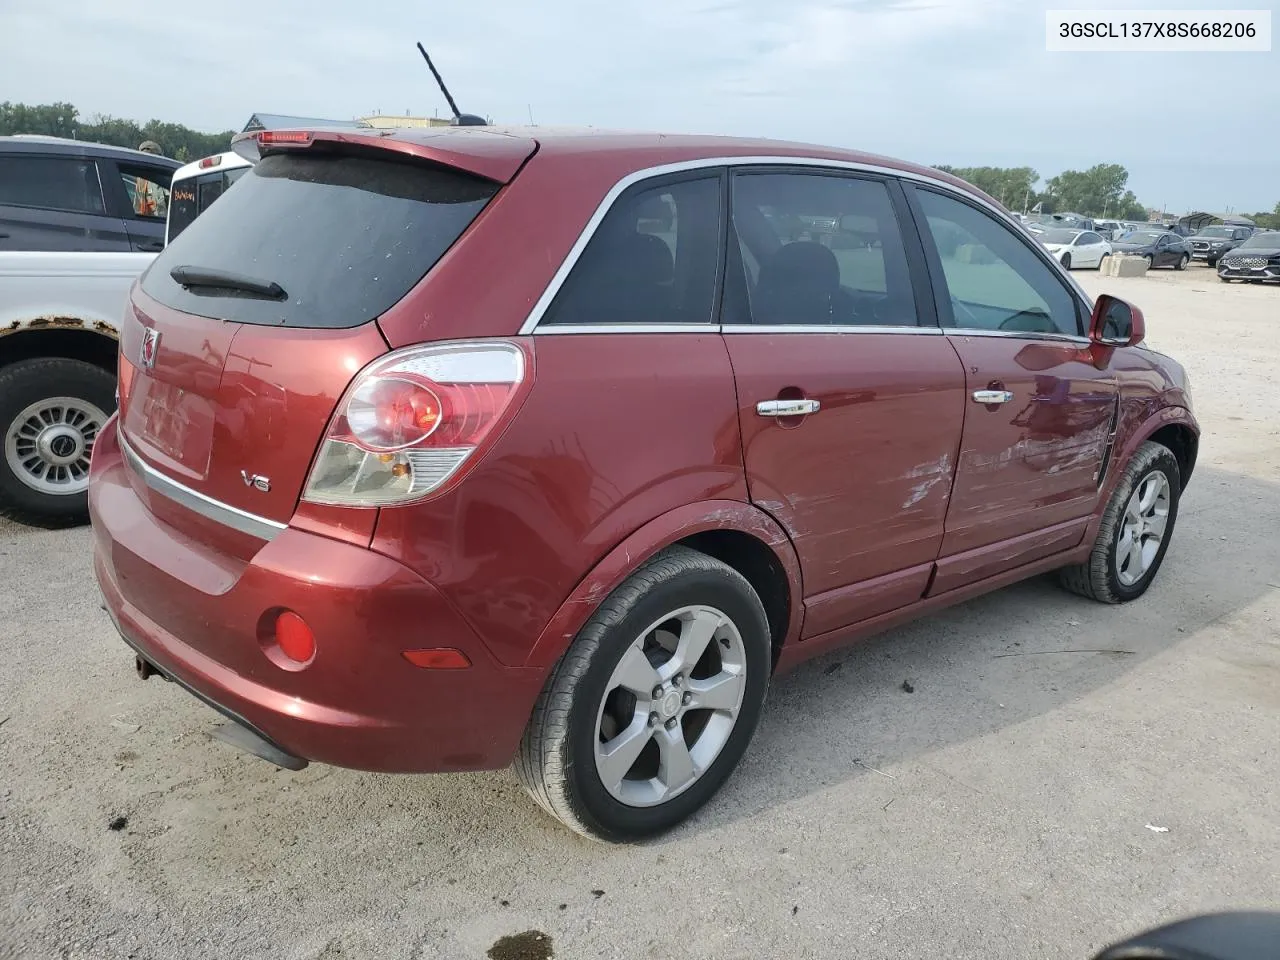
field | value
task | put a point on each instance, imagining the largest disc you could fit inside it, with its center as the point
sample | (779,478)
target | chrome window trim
(826,328)
(568,328)
(1016,334)
(530,325)
(197,502)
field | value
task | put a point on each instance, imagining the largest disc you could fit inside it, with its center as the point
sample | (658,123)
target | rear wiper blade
(224,279)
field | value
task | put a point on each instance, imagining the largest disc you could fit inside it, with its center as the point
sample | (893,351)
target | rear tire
(1102,262)
(599,691)
(1182,262)
(50,413)
(1126,556)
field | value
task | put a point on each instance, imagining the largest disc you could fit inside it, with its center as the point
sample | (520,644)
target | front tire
(1136,528)
(1066,261)
(1182,262)
(1102,261)
(51,411)
(651,708)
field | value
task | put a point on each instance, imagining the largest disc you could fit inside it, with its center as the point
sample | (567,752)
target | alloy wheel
(1142,528)
(670,706)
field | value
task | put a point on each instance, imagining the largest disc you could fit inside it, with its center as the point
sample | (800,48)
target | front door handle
(787,408)
(992,396)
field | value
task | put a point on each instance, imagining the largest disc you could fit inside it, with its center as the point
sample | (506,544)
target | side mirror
(1116,323)
(1222,936)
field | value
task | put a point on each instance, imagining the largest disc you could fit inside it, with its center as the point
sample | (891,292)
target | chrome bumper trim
(197,502)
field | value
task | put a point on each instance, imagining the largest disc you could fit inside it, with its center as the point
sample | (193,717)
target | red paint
(798,653)
(436,623)
(983,562)
(861,601)
(359,703)
(438,658)
(859,495)
(616,430)
(661,532)
(1033,462)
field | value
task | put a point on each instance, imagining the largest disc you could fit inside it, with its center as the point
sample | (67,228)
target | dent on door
(860,484)
(1027,478)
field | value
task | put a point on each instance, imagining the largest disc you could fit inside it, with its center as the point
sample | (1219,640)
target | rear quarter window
(346,237)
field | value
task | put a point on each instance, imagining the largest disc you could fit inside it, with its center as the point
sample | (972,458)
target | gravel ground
(1004,809)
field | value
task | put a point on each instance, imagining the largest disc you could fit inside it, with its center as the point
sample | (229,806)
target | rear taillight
(409,422)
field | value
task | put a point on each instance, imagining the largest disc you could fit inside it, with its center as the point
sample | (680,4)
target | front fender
(1128,440)
(657,534)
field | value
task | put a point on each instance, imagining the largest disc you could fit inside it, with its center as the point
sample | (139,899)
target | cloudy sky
(965,82)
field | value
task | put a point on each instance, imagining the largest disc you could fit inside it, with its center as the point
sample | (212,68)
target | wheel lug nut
(653,719)
(677,680)
(686,698)
(657,692)
(671,724)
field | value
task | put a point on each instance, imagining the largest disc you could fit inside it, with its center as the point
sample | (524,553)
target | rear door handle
(787,408)
(992,396)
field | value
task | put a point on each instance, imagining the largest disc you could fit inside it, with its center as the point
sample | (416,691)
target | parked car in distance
(1076,248)
(385,517)
(1109,229)
(1132,226)
(1256,259)
(71,196)
(1159,247)
(59,320)
(197,185)
(78,223)
(1210,243)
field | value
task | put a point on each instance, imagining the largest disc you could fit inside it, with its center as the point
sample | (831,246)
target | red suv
(439,449)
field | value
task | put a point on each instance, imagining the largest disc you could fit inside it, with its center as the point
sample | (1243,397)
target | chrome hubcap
(1142,527)
(670,706)
(49,444)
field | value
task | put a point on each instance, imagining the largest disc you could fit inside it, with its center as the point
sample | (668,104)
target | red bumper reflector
(294,637)
(438,658)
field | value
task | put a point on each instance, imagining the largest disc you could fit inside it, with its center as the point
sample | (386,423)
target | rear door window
(653,259)
(51,183)
(342,238)
(820,249)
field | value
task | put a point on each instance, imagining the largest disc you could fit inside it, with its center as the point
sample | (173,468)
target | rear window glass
(343,237)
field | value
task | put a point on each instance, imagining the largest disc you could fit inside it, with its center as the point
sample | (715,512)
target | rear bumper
(198,616)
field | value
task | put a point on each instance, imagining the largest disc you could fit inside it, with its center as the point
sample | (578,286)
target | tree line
(1101,192)
(64,120)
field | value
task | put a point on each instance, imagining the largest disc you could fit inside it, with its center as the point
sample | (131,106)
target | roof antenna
(459,119)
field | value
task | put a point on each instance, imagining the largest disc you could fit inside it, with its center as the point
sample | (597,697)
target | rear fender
(643,544)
